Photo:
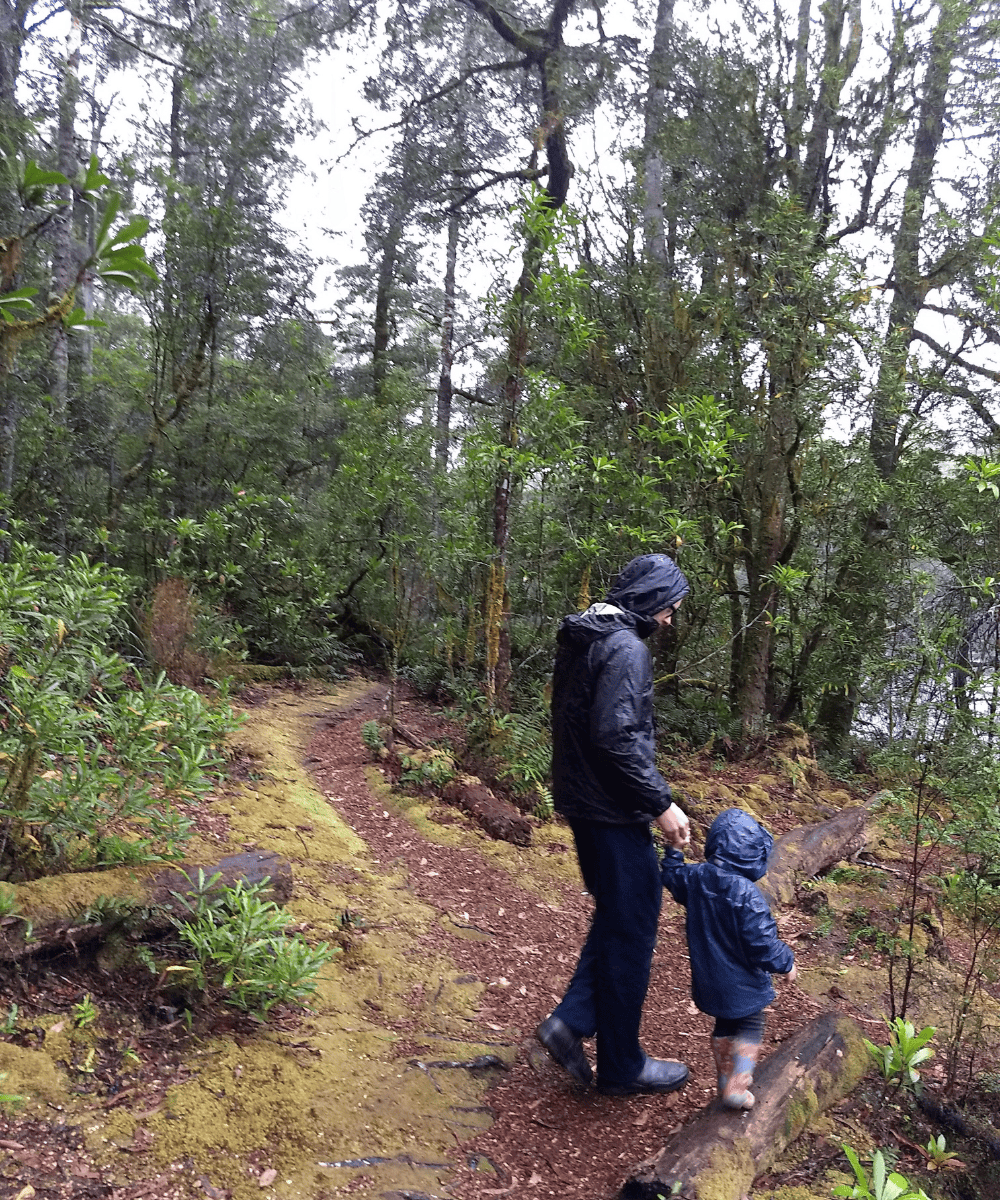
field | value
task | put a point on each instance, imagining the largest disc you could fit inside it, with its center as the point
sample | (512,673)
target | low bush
(241,950)
(98,764)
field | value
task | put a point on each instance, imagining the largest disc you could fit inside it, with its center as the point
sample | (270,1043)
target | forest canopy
(717,281)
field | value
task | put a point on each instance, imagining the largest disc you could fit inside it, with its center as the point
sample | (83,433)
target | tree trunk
(654,194)
(720,1153)
(13,18)
(54,928)
(543,49)
(804,852)
(65,250)
(445,390)
(858,607)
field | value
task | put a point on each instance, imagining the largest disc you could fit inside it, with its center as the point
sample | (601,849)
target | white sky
(324,203)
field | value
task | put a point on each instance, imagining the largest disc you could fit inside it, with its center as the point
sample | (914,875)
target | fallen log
(718,1155)
(69,911)
(494,816)
(804,852)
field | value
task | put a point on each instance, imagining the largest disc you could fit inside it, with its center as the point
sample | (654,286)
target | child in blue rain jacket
(733,943)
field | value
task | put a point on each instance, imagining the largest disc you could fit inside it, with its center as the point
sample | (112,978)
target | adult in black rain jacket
(606,784)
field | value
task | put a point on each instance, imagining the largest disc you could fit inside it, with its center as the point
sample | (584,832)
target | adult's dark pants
(606,994)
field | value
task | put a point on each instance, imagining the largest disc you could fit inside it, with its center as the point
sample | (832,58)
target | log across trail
(718,1155)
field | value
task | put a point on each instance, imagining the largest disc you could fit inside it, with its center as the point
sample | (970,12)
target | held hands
(675,825)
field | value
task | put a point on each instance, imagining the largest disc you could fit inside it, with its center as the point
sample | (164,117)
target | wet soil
(414,1072)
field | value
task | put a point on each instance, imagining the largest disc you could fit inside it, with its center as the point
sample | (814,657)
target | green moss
(57,895)
(730,1171)
(796,1192)
(802,1107)
(34,1075)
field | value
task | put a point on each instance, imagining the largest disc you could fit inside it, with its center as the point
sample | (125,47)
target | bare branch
(416,105)
(525,174)
(952,356)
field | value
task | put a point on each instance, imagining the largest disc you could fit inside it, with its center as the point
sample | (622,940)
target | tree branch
(526,174)
(530,47)
(975,368)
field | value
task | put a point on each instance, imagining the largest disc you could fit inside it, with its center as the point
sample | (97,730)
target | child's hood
(736,842)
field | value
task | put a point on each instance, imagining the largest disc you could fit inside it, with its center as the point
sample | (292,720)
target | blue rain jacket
(732,937)
(603,735)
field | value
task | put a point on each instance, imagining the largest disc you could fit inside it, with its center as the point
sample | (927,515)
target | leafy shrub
(371,735)
(95,761)
(905,1051)
(521,741)
(241,949)
(881,1185)
(433,767)
(253,557)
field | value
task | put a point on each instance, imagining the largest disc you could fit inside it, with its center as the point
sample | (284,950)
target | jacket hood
(736,842)
(580,629)
(648,585)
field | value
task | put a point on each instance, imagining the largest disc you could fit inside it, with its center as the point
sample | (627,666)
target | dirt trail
(455,946)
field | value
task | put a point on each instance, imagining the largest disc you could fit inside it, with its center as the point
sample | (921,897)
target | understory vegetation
(754,328)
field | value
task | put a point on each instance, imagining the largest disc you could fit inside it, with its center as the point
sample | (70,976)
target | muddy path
(413,1073)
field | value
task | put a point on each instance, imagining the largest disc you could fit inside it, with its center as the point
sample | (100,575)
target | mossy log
(494,816)
(804,852)
(68,911)
(718,1155)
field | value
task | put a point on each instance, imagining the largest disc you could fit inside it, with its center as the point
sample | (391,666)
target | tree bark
(445,388)
(543,50)
(58,924)
(720,1153)
(804,852)
(654,192)
(836,713)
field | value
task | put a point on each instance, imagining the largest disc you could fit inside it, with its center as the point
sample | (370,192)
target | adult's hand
(675,825)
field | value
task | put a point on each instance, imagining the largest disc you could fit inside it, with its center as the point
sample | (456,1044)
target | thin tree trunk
(837,710)
(654,197)
(445,388)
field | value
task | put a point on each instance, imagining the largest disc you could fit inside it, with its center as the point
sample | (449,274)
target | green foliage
(520,741)
(825,921)
(96,761)
(939,1156)
(434,769)
(117,257)
(545,809)
(906,1049)
(241,950)
(880,1185)
(113,913)
(256,558)
(8,900)
(9,1022)
(85,1013)
(371,735)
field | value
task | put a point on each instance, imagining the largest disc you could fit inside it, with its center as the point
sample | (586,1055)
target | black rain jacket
(732,937)
(603,737)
